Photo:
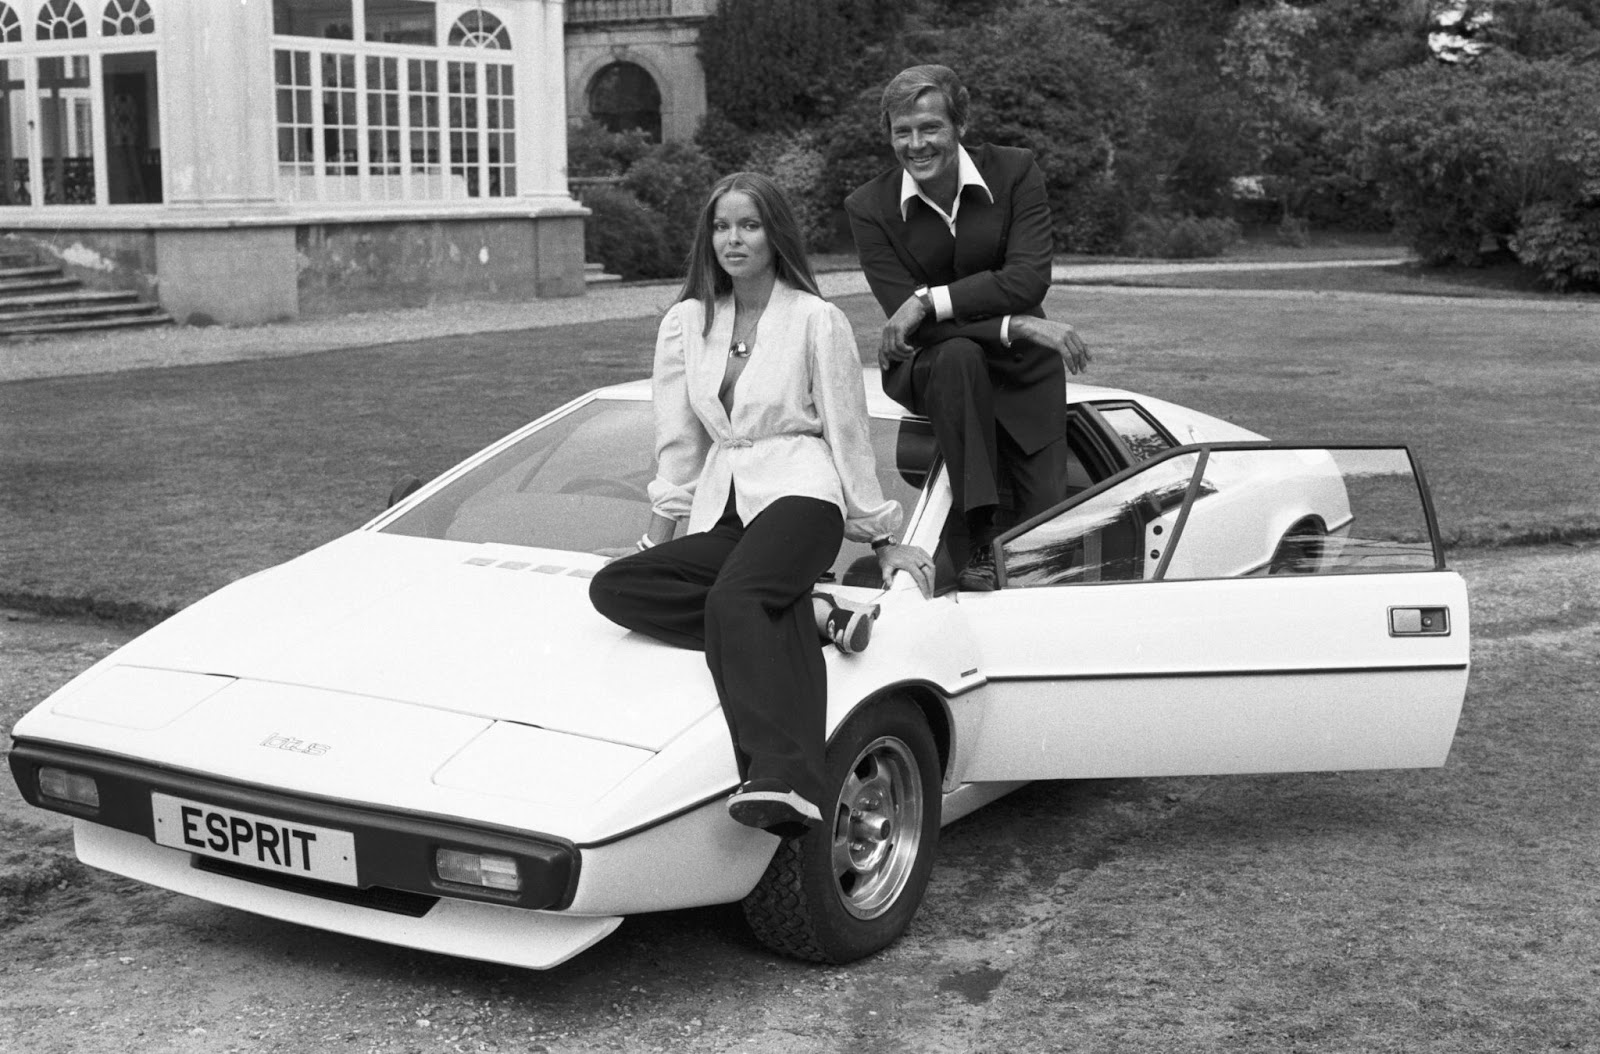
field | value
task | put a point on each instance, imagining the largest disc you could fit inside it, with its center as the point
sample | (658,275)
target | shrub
(854,146)
(672,180)
(1092,219)
(626,237)
(594,151)
(1461,154)
(1562,243)
(725,144)
(1560,237)
(1180,237)
(776,65)
(796,164)
(1294,231)
(1045,77)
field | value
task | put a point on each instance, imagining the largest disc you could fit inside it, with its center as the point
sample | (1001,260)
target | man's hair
(909,85)
(706,280)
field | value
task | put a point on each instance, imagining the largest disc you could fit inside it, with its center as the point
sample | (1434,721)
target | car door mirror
(403,490)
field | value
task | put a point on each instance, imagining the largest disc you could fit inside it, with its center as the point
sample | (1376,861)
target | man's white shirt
(969,176)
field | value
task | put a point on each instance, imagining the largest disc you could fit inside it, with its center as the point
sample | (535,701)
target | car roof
(878,404)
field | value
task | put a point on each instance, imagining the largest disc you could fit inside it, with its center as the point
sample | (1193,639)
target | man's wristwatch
(923,294)
(879,544)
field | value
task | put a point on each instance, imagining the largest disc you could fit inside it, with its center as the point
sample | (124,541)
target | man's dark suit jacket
(997,264)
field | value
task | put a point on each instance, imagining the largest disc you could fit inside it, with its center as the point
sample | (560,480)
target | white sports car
(422,733)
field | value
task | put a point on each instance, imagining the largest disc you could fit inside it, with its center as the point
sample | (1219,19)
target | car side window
(1101,539)
(1142,436)
(1236,511)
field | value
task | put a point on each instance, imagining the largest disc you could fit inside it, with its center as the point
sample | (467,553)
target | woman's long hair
(705,280)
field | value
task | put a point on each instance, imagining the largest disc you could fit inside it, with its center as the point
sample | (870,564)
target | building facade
(243,161)
(636,64)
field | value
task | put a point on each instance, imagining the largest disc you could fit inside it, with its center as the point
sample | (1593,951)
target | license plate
(284,846)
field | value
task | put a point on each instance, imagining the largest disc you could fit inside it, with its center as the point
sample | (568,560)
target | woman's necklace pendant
(739,350)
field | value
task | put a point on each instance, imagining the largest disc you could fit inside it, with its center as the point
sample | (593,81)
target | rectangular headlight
(488,870)
(73,787)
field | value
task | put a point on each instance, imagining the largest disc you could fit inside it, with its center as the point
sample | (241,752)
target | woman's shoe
(849,628)
(772,806)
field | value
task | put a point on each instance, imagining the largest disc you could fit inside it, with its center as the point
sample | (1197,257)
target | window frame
(486,160)
(31,49)
(1204,450)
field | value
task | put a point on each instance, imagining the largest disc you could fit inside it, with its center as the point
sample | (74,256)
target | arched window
(623,96)
(479,29)
(126,18)
(10,25)
(62,20)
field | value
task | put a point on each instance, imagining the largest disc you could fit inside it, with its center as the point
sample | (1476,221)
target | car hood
(498,632)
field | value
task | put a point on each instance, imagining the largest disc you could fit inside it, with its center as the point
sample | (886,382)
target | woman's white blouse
(798,426)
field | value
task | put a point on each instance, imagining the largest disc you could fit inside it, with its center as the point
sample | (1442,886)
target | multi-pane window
(426,178)
(341,125)
(79,120)
(126,18)
(384,160)
(296,121)
(15,164)
(463,106)
(62,20)
(479,29)
(500,126)
(393,116)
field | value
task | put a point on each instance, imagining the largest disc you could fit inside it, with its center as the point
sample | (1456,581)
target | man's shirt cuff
(943,309)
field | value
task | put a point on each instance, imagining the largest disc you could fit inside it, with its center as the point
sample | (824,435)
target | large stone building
(250,160)
(636,64)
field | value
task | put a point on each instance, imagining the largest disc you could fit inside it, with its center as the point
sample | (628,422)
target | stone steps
(39,300)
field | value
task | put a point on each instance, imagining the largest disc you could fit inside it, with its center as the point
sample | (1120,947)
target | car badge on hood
(298,746)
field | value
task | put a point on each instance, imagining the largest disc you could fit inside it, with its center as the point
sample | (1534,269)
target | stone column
(218,141)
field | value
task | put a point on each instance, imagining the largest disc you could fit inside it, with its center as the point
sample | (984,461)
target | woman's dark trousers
(743,595)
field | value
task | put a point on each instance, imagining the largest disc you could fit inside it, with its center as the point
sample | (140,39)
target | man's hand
(1057,336)
(911,559)
(896,342)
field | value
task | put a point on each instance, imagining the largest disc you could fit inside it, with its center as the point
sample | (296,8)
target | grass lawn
(139,492)
(1444,911)
(1498,282)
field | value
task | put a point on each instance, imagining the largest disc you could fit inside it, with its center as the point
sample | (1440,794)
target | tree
(1544,29)
(779,65)
(1047,78)
(1478,151)
(1266,57)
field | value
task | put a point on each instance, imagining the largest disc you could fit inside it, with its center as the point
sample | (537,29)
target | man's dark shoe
(979,575)
(773,806)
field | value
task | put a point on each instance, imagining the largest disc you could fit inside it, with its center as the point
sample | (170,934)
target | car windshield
(580,483)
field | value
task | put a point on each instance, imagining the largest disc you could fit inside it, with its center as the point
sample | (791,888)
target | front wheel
(850,885)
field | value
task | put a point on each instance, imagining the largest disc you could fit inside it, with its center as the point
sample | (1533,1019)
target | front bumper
(395,851)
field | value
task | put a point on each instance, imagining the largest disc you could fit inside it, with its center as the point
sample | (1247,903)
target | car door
(1224,608)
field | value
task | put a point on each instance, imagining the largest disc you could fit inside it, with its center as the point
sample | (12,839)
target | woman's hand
(911,559)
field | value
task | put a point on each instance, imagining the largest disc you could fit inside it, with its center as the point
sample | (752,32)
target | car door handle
(1419,622)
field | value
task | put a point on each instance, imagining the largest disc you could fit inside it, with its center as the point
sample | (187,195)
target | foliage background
(1466,125)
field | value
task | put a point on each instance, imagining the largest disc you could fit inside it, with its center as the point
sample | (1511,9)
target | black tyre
(850,885)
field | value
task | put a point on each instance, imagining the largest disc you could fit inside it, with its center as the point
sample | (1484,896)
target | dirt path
(1451,910)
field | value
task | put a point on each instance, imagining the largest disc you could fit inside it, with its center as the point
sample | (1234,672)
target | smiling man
(957,246)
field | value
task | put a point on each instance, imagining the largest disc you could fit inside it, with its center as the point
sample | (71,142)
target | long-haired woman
(762,446)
